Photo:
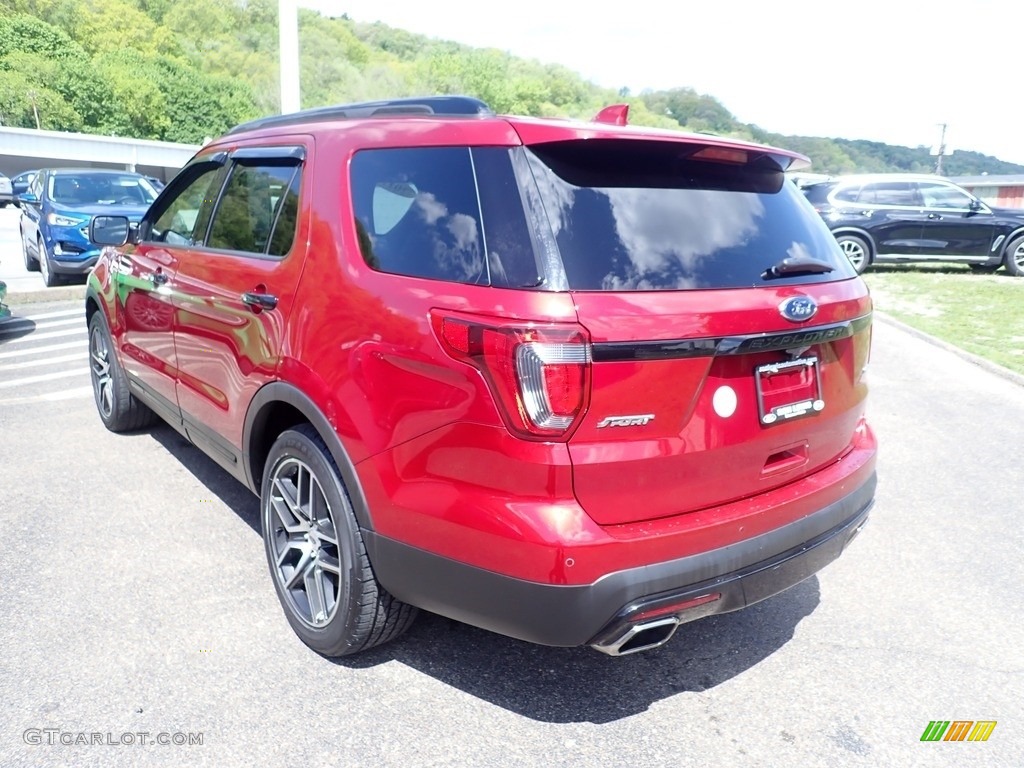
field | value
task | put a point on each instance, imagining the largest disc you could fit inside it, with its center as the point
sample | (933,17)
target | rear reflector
(674,609)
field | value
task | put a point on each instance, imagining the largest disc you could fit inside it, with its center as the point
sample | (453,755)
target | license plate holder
(788,390)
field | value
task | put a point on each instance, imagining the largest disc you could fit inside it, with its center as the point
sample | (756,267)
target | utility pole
(35,110)
(942,150)
(288,35)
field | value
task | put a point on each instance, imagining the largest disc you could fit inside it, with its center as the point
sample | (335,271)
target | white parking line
(40,350)
(13,326)
(67,394)
(49,335)
(48,315)
(43,377)
(80,357)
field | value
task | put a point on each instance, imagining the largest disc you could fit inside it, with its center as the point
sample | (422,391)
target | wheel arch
(1009,241)
(279,406)
(861,233)
(92,303)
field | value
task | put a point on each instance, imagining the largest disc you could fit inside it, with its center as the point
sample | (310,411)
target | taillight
(722,155)
(539,374)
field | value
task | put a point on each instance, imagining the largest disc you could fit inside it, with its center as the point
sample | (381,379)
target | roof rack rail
(418,105)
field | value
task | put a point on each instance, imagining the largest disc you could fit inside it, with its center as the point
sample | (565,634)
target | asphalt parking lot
(135,600)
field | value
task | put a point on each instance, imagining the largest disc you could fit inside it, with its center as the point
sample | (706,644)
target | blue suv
(56,211)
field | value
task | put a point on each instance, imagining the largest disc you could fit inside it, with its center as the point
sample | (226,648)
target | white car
(6,191)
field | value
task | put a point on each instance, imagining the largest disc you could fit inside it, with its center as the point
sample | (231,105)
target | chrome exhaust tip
(639,637)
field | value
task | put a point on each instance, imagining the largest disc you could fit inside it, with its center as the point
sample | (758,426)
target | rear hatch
(729,333)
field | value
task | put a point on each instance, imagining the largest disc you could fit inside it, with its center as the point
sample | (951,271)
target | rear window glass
(640,216)
(417,213)
(848,194)
(818,193)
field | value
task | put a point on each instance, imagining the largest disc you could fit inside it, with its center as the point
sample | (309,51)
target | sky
(884,71)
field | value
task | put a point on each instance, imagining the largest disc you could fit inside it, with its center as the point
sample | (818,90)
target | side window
(258,209)
(417,213)
(36,187)
(847,194)
(937,195)
(180,222)
(889,193)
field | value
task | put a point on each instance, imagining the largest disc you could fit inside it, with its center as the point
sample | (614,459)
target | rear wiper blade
(797,265)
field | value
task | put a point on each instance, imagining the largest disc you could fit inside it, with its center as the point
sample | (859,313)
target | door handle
(260,300)
(934,216)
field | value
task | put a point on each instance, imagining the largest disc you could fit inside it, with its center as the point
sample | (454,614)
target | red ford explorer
(576,383)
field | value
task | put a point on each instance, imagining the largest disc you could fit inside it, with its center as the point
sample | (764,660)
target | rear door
(233,295)
(892,212)
(728,331)
(952,227)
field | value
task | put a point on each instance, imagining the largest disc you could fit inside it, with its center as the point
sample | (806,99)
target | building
(999,191)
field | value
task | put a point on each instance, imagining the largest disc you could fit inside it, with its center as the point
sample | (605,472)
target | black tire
(31,264)
(50,278)
(324,550)
(857,251)
(118,408)
(1013,256)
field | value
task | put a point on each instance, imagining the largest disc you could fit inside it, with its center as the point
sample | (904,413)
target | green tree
(22,100)
(139,106)
(108,25)
(28,34)
(199,105)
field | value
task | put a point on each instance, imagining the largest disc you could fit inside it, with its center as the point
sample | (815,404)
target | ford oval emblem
(798,308)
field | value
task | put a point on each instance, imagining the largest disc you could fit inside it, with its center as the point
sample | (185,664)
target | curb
(67,293)
(988,365)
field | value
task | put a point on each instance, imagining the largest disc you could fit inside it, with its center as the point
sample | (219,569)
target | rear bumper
(742,573)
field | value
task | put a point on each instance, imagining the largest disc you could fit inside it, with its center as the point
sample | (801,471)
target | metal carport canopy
(19,146)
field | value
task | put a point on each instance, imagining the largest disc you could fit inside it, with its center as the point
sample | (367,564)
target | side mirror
(109,230)
(977,205)
(27,197)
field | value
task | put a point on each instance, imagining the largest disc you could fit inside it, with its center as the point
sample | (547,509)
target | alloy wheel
(44,263)
(1018,257)
(99,365)
(304,542)
(854,252)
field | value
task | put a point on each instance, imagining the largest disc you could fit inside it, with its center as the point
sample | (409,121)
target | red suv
(576,383)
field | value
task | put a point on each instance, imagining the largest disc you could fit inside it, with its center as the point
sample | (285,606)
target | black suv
(893,218)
